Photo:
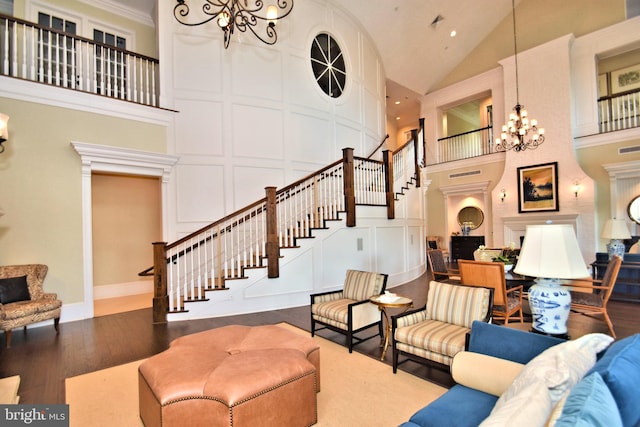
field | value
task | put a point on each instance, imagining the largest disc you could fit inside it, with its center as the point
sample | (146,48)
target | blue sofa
(463,405)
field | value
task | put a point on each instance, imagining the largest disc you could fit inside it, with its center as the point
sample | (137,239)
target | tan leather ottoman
(232,376)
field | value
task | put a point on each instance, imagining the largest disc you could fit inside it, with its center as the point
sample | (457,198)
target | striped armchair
(23,300)
(438,331)
(349,311)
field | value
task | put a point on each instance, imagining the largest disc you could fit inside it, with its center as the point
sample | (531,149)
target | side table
(384,302)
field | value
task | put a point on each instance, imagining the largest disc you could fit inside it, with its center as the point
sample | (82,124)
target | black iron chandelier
(243,15)
(520,132)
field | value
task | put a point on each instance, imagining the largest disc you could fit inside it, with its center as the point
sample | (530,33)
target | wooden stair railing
(203,261)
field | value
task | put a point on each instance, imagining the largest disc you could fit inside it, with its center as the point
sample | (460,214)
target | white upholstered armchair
(349,311)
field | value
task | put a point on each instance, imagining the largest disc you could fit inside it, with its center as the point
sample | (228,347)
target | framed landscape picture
(538,188)
(625,79)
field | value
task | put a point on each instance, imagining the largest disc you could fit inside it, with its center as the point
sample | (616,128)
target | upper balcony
(44,55)
(616,112)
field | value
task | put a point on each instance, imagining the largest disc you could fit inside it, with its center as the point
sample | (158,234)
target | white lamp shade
(551,251)
(615,229)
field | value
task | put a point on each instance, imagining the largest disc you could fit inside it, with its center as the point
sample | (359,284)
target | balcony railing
(465,145)
(619,112)
(32,52)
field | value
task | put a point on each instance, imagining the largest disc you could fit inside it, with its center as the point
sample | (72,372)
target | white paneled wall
(256,109)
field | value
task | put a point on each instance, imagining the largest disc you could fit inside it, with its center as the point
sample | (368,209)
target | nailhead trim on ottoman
(232,376)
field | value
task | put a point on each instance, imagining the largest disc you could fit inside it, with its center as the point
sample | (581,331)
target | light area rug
(357,390)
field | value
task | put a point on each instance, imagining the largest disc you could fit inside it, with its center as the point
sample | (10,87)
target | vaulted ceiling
(413,38)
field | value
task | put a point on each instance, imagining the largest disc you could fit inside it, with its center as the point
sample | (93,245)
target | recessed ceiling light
(397,102)
(453,33)
(398,118)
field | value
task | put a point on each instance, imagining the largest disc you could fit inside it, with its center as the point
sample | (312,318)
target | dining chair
(590,296)
(507,303)
(435,242)
(441,272)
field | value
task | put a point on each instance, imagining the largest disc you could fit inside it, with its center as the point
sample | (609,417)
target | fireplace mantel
(516,226)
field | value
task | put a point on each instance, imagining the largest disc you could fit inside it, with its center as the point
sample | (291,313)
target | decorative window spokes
(328,65)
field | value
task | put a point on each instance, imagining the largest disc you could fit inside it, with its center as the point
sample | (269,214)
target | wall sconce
(576,187)
(4,130)
(503,195)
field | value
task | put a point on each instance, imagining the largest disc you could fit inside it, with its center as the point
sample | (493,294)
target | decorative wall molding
(101,158)
(516,226)
(122,10)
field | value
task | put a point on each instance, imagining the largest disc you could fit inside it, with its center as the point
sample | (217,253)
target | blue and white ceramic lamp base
(615,247)
(550,304)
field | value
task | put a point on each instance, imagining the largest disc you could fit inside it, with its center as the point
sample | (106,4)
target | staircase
(235,251)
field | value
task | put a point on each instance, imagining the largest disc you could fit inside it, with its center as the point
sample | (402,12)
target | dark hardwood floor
(43,359)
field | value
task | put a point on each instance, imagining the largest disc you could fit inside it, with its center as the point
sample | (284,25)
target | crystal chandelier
(243,15)
(520,132)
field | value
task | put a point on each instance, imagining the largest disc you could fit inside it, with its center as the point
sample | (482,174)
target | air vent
(627,150)
(463,174)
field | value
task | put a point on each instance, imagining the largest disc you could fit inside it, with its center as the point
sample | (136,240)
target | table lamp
(616,230)
(550,253)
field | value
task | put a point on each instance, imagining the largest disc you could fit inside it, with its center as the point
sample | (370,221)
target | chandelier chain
(520,132)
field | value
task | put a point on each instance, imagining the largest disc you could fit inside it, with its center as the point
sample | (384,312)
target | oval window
(328,65)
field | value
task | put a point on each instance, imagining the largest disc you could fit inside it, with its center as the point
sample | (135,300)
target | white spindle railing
(216,253)
(619,112)
(307,204)
(223,250)
(465,145)
(369,182)
(32,52)
(403,166)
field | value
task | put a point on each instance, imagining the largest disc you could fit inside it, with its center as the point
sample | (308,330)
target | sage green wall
(146,40)
(537,22)
(591,160)
(41,192)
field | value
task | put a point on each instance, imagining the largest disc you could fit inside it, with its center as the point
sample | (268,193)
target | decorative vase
(615,247)
(550,304)
(507,267)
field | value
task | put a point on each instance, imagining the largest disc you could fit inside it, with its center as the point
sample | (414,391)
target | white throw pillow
(529,408)
(559,367)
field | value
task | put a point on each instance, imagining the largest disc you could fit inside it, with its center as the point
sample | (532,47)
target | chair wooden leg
(7,336)
(609,324)
(56,324)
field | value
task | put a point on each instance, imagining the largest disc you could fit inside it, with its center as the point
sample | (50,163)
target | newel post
(387,159)
(273,248)
(348,184)
(416,156)
(160,296)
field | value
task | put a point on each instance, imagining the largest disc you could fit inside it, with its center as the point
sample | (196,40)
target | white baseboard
(122,289)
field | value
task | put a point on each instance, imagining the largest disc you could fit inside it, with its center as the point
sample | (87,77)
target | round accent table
(384,302)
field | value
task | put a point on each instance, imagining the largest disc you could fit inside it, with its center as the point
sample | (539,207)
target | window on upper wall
(56,50)
(328,64)
(111,67)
